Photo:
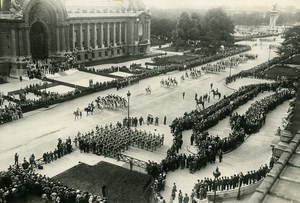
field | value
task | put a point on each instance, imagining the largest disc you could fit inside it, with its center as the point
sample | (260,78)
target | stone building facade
(91,29)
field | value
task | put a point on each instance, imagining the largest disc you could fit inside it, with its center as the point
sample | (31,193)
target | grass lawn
(282,71)
(296,59)
(124,186)
(120,59)
(173,49)
(173,59)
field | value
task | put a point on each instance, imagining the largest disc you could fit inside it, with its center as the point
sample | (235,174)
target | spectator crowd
(228,182)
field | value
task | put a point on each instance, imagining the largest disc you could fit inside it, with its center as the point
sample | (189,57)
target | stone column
(63,39)
(80,36)
(88,35)
(73,37)
(149,31)
(95,36)
(13,42)
(144,30)
(108,35)
(131,33)
(101,35)
(21,42)
(114,33)
(27,42)
(57,39)
(137,31)
(120,33)
(125,33)
(67,34)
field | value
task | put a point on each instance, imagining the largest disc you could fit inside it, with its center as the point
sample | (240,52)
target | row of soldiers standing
(112,140)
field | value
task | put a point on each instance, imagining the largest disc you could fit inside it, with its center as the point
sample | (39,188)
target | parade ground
(39,130)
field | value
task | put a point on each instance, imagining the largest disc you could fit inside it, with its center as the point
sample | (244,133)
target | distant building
(93,30)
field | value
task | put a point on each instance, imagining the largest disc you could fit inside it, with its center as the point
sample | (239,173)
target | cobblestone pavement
(39,130)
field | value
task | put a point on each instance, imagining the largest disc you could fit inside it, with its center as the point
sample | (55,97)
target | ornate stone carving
(16,9)
(39,13)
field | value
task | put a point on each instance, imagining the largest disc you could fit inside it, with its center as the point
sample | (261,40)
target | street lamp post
(269,52)
(128,97)
(216,174)
(230,67)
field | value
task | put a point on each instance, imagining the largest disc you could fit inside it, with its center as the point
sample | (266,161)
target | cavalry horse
(216,93)
(89,109)
(170,82)
(148,90)
(199,102)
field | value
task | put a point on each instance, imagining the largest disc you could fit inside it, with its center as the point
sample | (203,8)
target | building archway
(38,40)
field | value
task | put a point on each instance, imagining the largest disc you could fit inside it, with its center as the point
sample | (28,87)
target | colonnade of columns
(97,35)
(83,36)
(20,44)
(102,34)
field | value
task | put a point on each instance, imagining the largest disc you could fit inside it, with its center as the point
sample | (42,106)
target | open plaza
(38,131)
(90,113)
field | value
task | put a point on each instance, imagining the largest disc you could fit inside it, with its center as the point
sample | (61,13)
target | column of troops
(112,140)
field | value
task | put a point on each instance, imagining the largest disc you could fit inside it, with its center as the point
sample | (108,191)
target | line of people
(206,118)
(257,71)
(10,112)
(228,182)
(255,116)
(62,149)
(209,146)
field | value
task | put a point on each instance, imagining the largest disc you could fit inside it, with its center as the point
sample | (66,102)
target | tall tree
(183,25)
(219,29)
(162,27)
(291,43)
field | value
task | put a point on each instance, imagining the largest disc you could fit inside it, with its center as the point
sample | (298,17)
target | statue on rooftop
(136,5)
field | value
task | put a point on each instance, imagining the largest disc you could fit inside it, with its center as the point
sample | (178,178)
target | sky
(240,4)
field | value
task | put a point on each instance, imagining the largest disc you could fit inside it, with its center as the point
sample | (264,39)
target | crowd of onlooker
(17,183)
(254,37)
(232,61)
(210,147)
(190,61)
(38,68)
(10,112)
(255,116)
(228,182)
(2,98)
(21,181)
(258,71)
(201,120)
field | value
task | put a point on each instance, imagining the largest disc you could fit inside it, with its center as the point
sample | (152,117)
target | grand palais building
(93,30)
